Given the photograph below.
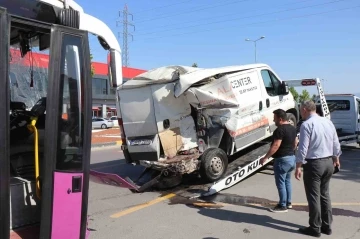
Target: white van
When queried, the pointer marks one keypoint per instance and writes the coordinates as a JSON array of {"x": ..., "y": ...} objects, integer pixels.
[
  {"x": 184, "y": 119},
  {"x": 346, "y": 116}
]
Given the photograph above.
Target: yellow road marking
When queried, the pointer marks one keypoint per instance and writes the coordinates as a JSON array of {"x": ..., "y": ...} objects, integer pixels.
[
  {"x": 141, "y": 206},
  {"x": 208, "y": 204}
]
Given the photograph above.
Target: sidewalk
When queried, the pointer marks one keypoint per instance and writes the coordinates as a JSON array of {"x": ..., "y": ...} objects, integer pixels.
[{"x": 106, "y": 137}]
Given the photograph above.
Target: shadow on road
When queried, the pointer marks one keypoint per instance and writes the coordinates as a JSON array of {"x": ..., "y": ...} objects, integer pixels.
[
  {"x": 216, "y": 201},
  {"x": 241, "y": 217},
  {"x": 264, "y": 204},
  {"x": 335, "y": 211},
  {"x": 350, "y": 165}
]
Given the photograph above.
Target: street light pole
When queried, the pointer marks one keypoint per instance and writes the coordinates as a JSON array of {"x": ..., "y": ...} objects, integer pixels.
[
  {"x": 255, "y": 43},
  {"x": 255, "y": 51}
]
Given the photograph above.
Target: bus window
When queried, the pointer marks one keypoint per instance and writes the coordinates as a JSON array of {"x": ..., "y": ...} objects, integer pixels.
[{"x": 71, "y": 111}]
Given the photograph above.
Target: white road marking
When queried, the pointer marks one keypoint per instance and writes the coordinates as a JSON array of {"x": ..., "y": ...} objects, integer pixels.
[{"x": 97, "y": 130}]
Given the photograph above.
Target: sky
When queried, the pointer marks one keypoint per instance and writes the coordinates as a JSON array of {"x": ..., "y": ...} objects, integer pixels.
[{"x": 303, "y": 38}]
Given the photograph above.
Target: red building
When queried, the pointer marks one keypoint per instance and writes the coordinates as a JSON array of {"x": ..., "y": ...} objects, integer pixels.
[
  {"x": 20, "y": 68},
  {"x": 103, "y": 96}
]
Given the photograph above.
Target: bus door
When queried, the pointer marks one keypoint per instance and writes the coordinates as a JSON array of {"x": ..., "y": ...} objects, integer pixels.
[
  {"x": 4, "y": 126},
  {"x": 62, "y": 185},
  {"x": 68, "y": 136}
]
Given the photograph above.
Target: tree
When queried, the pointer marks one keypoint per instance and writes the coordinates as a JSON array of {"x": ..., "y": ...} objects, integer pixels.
[
  {"x": 92, "y": 66},
  {"x": 294, "y": 93},
  {"x": 304, "y": 96},
  {"x": 194, "y": 65},
  {"x": 313, "y": 98}
]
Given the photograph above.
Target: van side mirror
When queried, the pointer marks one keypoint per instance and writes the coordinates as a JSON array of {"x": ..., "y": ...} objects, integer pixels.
[{"x": 284, "y": 88}]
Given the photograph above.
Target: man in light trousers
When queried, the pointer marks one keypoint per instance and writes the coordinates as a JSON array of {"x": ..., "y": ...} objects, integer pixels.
[{"x": 318, "y": 153}]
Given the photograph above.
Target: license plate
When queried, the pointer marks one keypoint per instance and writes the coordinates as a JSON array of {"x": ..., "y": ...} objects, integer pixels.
[{"x": 140, "y": 142}]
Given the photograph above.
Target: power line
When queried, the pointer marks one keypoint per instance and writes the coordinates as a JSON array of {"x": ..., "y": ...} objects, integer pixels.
[
  {"x": 182, "y": 23},
  {"x": 196, "y": 10},
  {"x": 125, "y": 34},
  {"x": 232, "y": 19},
  {"x": 244, "y": 25},
  {"x": 164, "y": 6}
]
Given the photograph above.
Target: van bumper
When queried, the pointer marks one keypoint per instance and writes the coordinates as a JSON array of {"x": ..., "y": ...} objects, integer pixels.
[{"x": 146, "y": 148}]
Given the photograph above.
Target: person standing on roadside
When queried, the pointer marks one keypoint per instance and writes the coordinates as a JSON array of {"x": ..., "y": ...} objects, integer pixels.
[
  {"x": 283, "y": 151},
  {"x": 318, "y": 152}
]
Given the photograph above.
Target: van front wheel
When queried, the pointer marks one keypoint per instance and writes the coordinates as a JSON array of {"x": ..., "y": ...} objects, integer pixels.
[{"x": 214, "y": 163}]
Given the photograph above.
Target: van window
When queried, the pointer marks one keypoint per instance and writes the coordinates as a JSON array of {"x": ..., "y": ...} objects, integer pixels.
[
  {"x": 271, "y": 82},
  {"x": 343, "y": 105},
  {"x": 358, "y": 106},
  {"x": 276, "y": 83}
]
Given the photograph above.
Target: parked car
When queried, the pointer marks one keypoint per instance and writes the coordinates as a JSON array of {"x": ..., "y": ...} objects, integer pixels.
[
  {"x": 101, "y": 123},
  {"x": 114, "y": 119}
]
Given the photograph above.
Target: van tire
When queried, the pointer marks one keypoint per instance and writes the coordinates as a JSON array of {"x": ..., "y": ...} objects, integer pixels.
[
  {"x": 214, "y": 163},
  {"x": 291, "y": 117}
]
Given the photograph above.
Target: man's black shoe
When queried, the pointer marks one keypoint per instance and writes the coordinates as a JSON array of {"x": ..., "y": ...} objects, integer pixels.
[
  {"x": 309, "y": 231},
  {"x": 279, "y": 208},
  {"x": 326, "y": 231}
]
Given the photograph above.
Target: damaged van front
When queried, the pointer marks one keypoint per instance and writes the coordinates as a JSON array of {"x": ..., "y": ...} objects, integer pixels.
[{"x": 180, "y": 120}]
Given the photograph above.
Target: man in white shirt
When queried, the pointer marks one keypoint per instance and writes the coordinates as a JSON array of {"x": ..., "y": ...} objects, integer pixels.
[{"x": 318, "y": 152}]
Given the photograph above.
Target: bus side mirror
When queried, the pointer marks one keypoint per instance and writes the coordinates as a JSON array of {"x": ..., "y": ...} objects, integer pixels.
[
  {"x": 109, "y": 61},
  {"x": 284, "y": 88},
  {"x": 114, "y": 68}
]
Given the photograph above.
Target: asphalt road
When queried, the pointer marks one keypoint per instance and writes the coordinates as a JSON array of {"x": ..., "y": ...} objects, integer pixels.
[{"x": 238, "y": 212}]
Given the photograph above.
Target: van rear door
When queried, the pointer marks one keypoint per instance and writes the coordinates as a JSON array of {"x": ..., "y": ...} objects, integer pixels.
[
  {"x": 152, "y": 115},
  {"x": 358, "y": 115},
  {"x": 139, "y": 123},
  {"x": 344, "y": 117}
]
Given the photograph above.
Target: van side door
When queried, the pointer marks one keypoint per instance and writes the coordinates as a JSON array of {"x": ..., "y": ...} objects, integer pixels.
[{"x": 272, "y": 96}]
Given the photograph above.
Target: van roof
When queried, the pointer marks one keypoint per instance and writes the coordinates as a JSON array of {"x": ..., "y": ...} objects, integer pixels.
[
  {"x": 339, "y": 95},
  {"x": 186, "y": 75},
  {"x": 353, "y": 96}
]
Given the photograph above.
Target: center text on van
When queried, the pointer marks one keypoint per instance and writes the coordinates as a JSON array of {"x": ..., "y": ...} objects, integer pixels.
[{"x": 241, "y": 82}]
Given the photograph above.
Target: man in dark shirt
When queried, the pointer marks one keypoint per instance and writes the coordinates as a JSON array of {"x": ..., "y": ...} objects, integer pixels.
[{"x": 283, "y": 151}]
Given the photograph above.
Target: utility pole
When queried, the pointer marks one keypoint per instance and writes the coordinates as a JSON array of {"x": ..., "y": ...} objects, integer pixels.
[
  {"x": 255, "y": 43},
  {"x": 125, "y": 34}
]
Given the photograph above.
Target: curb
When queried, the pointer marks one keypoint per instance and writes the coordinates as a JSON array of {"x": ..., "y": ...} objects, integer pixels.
[{"x": 101, "y": 145}]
